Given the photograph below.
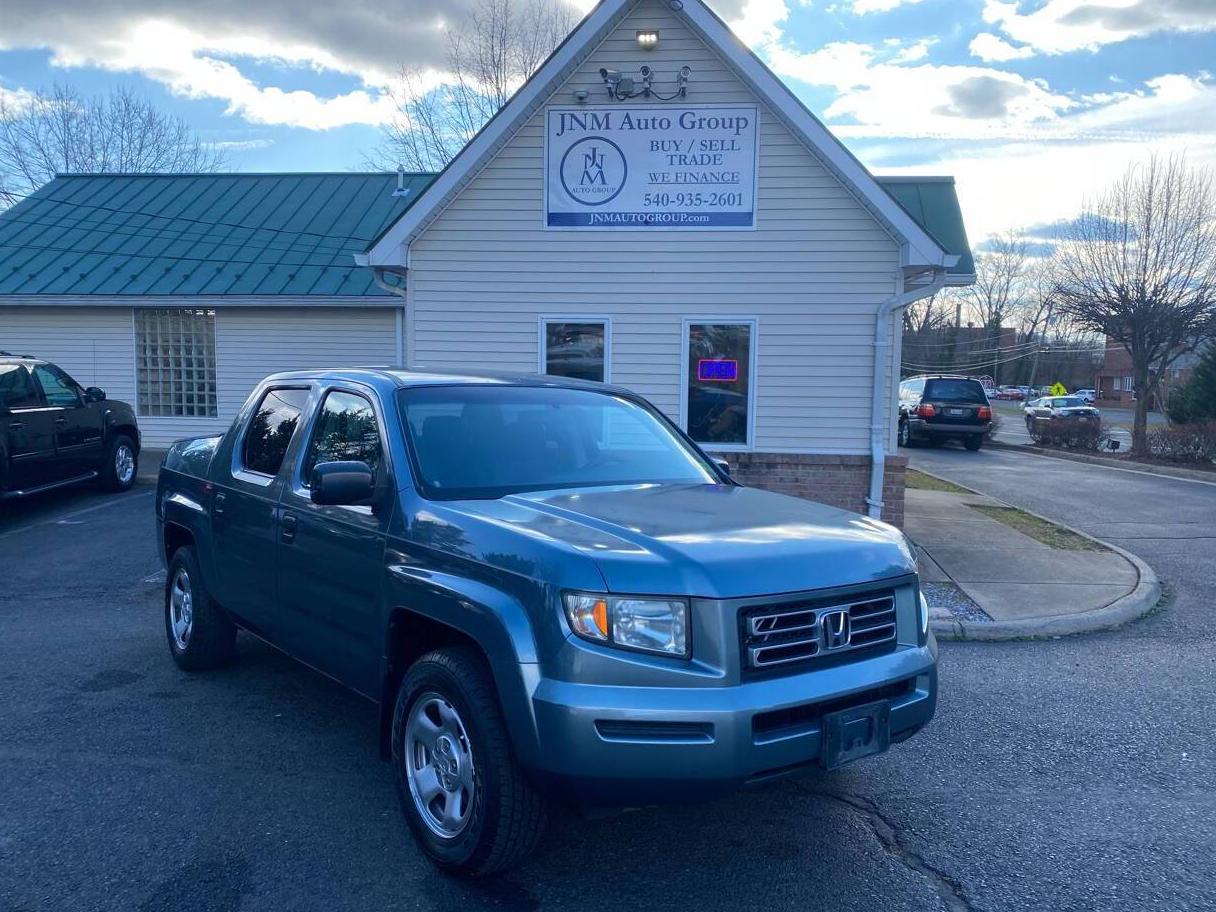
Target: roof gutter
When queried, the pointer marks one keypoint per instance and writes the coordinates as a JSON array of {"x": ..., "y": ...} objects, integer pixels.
[{"x": 879, "y": 393}]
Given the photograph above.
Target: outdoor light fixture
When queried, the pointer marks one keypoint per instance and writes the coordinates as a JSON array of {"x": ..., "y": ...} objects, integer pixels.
[{"x": 648, "y": 39}]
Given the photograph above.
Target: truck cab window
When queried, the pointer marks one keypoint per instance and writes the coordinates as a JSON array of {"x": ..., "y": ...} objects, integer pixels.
[
  {"x": 57, "y": 386},
  {"x": 271, "y": 429},
  {"x": 346, "y": 430}
]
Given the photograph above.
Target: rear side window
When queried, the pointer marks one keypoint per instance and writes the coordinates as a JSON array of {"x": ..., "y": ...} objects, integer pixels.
[
  {"x": 17, "y": 388},
  {"x": 954, "y": 390},
  {"x": 271, "y": 430}
]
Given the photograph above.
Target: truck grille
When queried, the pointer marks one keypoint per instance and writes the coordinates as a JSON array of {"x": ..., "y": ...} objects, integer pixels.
[{"x": 775, "y": 635}]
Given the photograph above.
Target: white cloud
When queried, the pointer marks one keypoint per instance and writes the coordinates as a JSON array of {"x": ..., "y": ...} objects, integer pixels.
[
  {"x": 862, "y": 7},
  {"x": 15, "y": 100},
  {"x": 877, "y": 95},
  {"x": 202, "y": 50},
  {"x": 988, "y": 47},
  {"x": 1060, "y": 26},
  {"x": 1018, "y": 183},
  {"x": 177, "y": 57},
  {"x": 914, "y": 52},
  {"x": 759, "y": 21}
]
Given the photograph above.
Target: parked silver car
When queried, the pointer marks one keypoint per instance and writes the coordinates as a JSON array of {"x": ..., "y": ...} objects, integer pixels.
[{"x": 1057, "y": 416}]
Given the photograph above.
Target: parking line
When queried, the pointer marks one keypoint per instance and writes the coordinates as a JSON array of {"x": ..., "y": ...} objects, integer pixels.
[{"x": 74, "y": 514}]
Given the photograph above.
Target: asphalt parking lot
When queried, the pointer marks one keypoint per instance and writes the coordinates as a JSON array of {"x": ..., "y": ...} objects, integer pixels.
[{"x": 1069, "y": 774}]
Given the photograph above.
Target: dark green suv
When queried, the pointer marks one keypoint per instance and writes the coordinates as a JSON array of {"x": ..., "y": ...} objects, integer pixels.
[{"x": 940, "y": 408}]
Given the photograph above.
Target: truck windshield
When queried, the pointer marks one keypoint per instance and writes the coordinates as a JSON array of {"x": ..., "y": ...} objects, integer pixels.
[{"x": 479, "y": 442}]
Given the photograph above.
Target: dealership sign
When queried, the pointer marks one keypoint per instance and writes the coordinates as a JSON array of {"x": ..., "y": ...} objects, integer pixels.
[{"x": 624, "y": 167}]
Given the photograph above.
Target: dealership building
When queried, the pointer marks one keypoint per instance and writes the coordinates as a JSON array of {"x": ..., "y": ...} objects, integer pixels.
[{"x": 654, "y": 208}]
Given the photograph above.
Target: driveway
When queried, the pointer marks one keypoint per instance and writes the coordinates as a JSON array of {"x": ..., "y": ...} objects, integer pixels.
[{"x": 1072, "y": 774}]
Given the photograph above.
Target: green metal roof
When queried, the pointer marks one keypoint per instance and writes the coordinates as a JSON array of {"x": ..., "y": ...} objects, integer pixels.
[
  {"x": 262, "y": 234},
  {"x": 933, "y": 202},
  {"x": 199, "y": 234}
]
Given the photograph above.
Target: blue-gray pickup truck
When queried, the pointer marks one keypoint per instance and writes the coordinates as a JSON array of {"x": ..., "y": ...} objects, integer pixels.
[{"x": 555, "y": 597}]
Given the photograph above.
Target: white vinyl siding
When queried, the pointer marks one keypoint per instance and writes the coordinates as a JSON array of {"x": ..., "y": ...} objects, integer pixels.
[
  {"x": 812, "y": 274},
  {"x": 96, "y": 346}
]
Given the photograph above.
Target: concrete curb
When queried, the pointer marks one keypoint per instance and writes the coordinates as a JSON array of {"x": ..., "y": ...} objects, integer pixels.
[
  {"x": 1146, "y": 467},
  {"x": 1135, "y": 604}
]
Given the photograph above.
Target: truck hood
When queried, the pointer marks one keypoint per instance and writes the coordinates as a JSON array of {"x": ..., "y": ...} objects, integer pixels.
[{"x": 712, "y": 541}]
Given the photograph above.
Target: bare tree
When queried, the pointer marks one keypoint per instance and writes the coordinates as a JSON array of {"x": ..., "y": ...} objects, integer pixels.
[
  {"x": 1139, "y": 266},
  {"x": 1000, "y": 292},
  {"x": 933, "y": 312},
  {"x": 61, "y": 131},
  {"x": 489, "y": 55},
  {"x": 1000, "y": 289}
]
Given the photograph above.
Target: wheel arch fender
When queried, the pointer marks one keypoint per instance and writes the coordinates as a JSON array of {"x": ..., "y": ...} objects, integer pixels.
[{"x": 430, "y": 610}]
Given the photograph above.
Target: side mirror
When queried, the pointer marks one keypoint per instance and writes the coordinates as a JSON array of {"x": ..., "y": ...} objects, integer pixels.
[
  {"x": 721, "y": 464},
  {"x": 342, "y": 483},
  {"x": 94, "y": 394}
]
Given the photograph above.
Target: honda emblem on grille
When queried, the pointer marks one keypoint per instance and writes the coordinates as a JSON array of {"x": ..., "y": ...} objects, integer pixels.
[{"x": 834, "y": 626}]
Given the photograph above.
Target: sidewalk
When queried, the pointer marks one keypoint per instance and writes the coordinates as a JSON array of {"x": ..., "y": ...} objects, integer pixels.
[{"x": 1017, "y": 575}]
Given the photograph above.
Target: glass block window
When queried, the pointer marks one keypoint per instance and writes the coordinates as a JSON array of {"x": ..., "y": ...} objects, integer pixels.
[{"x": 175, "y": 362}]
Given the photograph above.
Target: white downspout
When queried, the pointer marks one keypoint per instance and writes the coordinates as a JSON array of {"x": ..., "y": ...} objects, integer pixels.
[
  {"x": 882, "y": 345},
  {"x": 399, "y": 316}
]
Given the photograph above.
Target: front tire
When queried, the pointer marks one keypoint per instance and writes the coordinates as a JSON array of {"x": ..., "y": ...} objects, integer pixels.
[
  {"x": 121, "y": 464},
  {"x": 463, "y": 793},
  {"x": 201, "y": 635}
]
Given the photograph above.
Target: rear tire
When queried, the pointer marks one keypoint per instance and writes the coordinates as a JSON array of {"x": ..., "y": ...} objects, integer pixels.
[
  {"x": 973, "y": 441},
  {"x": 121, "y": 464},
  {"x": 903, "y": 435},
  {"x": 462, "y": 791},
  {"x": 201, "y": 635}
]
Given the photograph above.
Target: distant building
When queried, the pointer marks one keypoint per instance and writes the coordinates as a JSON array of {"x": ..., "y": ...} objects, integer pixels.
[{"x": 1114, "y": 380}]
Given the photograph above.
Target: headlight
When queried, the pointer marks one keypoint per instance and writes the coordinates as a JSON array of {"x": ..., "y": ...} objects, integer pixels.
[
  {"x": 924, "y": 616},
  {"x": 648, "y": 625}
]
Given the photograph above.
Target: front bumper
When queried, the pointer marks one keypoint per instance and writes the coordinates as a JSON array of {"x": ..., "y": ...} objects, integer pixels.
[{"x": 645, "y": 745}]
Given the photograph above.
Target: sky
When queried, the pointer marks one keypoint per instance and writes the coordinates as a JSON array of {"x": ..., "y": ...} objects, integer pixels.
[{"x": 1033, "y": 105}]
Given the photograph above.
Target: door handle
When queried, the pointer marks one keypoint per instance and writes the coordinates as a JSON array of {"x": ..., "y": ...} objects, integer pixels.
[
  {"x": 288, "y": 525},
  {"x": 16, "y": 425},
  {"x": 219, "y": 503}
]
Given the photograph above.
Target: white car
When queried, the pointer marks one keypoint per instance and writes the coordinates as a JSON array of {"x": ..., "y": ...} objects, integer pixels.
[{"x": 1087, "y": 395}]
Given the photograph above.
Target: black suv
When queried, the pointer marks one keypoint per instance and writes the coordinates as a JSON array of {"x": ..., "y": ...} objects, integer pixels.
[
  {"x": 942, "y": 407},
  {"x": 54, "y": 432}
]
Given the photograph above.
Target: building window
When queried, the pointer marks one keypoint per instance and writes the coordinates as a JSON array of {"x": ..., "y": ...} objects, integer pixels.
[
  {"x": 271, "y": 430},
  {"x": 1127, "y": 384},
  {"x": 576, "y": 348},
  {"x": 175, "y": 362},
  {"x": 718, "y": 382}
]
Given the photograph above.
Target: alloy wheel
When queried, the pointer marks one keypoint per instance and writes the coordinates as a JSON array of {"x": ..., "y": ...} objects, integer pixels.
[
  {"x": 181, "y": 609},
  {"x": 124, "y": 463},
  {"x": 439, "y": 765}
]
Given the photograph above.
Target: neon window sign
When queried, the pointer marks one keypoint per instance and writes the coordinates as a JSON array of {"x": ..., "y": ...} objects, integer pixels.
[{"x": 718, "y": 370}]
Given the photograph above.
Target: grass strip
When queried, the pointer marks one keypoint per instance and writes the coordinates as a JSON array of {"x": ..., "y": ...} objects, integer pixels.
[
  {"x": 1039, "y": 529},
  {"x": 919, "y": 481}
]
